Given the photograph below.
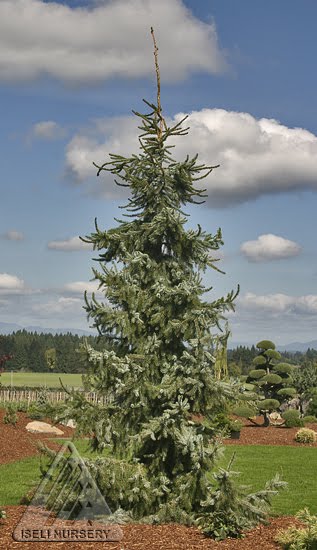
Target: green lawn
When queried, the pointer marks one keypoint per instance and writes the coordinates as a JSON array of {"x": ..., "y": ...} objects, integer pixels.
[
  {"x": 296, "y": 465},
  {"x": 49, "y": 379},
  {"x": 257, "y": 464}
]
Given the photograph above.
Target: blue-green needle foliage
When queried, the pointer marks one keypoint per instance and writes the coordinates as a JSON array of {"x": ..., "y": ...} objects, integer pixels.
[{"x": 160, "y": 368}]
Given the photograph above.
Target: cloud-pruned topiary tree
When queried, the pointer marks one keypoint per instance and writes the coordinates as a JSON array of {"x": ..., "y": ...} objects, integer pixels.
[{"x": 271, "y": 379}]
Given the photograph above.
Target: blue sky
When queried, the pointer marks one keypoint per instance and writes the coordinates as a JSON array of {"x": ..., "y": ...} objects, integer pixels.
[{"x": 70, "y": 73}]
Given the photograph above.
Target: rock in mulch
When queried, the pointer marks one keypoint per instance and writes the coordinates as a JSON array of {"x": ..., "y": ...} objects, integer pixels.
[
  {"x": 37, "y": 427},
  {"x": 17, "y": 443}
]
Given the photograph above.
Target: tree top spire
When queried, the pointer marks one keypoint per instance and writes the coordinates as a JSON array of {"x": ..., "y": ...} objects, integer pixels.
[{"x": 158, "y": 87}]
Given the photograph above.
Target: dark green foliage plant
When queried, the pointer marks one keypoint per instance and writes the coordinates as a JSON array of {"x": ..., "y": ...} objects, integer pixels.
[
  {"x": 235, "y": 425},
  {"x": 22, "y": 406},
  {"x": 10, "y": 416},
  {"x": 292, "y": 418},
  {"x": 300, "y": 538},
  {"x": 35, "y": 412}
]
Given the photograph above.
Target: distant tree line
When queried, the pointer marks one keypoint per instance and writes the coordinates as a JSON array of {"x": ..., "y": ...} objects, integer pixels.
[{"x": 46, "y": 352}]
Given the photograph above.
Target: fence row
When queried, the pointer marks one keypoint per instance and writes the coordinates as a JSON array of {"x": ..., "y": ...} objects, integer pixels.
[{"x": 53, "y": 396}]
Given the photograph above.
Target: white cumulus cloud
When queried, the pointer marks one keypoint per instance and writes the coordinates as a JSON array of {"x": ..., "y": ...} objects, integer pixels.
[
  {"x": 269, "y": 247},
  {"x": 108, "y": 39},
  {"x": 69, "y": 245},
  {"x": 279, "y": 303},
  {"x": 257, "y": 156},
  {"x": 79, "y": 287},
  {"x": 11, "y": 284},
  {"x": 47, "y": 129}
]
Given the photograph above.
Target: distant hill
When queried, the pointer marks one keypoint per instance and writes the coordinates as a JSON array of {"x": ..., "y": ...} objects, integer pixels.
[
  {"x": 293, "y": 346},
  {"x": 298, "y": 346},
  {"x": 8, "y": 328}
]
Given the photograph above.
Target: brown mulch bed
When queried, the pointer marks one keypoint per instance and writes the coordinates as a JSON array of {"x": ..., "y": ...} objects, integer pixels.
[
  {"x": 272, "y": 435},
  {"x": 16, "y": 443},
  {"x": 153, "y": 537}
]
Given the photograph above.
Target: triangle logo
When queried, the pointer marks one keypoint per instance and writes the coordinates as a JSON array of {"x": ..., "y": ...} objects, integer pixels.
[{"x": 67, "y": 505}]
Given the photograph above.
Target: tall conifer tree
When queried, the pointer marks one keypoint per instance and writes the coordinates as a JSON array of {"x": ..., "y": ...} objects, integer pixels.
[{"x": 161, "y": 369}]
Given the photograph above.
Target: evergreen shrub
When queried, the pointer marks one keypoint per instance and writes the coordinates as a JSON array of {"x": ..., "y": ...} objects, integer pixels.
[
  {"x": 22, "y": 406},
  {"x": 10, "y": 416},
  {"x": 309, "y": 419},
  {"x": 292, "y": 418},
  {"x": 35, "y": 412}
]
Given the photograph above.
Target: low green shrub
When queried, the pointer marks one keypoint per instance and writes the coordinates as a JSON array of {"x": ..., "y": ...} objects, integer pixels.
[
  {"x": 309, "y": 419},
  {"x": 235, "y": 426},
  {"x": 22, "y": 406},
  {"x": 305, "y": 435},
  {"x": 297, "y": 538},
  {"x": 244, "y": 411},
  {"x": 292, "y": 418},
  {"x": 10, "y": 416},
  {"x": 36, "y": 412}
]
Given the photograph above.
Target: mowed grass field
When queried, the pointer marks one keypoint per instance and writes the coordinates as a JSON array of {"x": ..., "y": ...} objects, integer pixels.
[
  {"x": 256, "y": 464},
  {"x": 36, "y": 379}
]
